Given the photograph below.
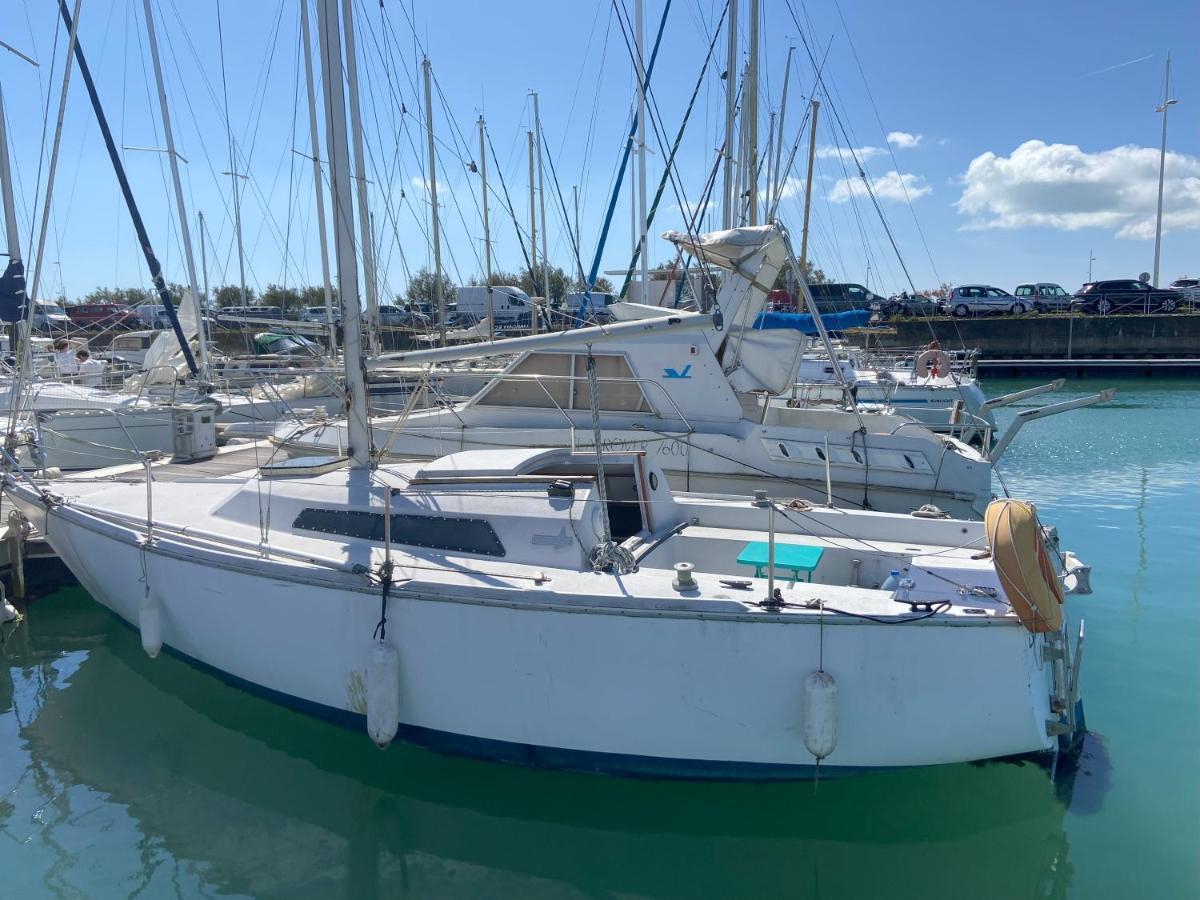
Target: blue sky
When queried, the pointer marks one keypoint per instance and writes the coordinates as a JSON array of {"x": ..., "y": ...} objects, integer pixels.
[{"x": 1025, "y": 135}]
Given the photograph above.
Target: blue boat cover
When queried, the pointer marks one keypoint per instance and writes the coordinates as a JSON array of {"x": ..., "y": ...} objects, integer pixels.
[{"x": 851, "y": 318}]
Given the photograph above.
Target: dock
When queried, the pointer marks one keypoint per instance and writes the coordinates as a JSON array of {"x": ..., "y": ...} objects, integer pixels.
[{"x": 1071, "y": 344}]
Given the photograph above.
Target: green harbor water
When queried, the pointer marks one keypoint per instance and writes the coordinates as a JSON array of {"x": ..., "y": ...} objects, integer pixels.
[{"x": 123, "y": 776}]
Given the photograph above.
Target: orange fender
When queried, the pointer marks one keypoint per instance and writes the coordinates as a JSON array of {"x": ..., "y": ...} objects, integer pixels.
[{"x": 1023, "y": 565}]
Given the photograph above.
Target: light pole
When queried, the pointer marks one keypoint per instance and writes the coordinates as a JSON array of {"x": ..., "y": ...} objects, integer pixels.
[{"x": 1162, "y": 164}]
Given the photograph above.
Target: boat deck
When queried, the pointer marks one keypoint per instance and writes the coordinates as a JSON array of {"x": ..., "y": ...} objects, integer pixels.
[{"x": 229, "y": 460}]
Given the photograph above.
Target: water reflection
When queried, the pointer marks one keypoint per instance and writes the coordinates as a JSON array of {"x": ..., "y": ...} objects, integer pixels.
[{"x": 150, "y": 775}]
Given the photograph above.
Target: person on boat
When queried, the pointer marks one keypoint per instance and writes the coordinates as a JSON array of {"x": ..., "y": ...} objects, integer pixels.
[
  {"x": 90, "y": 370},
  {"x": 64, "y": 359}
]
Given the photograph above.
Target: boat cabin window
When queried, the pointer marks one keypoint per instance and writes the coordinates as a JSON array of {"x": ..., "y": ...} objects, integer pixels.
[
  {"x": 548, "y": 380},
  {"x": 458, "y": 533}
]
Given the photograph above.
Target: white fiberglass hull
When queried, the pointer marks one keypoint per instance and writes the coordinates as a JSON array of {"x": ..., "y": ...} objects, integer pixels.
[
  {"x": 533, "y": 676},
  {"x": 888, "y": 473}
]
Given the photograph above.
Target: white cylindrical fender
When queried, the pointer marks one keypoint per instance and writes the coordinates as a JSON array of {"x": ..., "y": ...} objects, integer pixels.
[
  {"x": 8, "y": 612},
  {"x": 819, "y": 701},
  {"x": 150, "y": 624},
  {"x": 383, "y": 693}
]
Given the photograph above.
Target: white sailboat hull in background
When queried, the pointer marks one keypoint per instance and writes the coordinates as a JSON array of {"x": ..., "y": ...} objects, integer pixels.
[
  {"x": 889, "y": 473},
  {"x": 536, "y": 677}
]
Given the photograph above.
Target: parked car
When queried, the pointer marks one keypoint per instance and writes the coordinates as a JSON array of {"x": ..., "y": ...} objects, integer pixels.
[
  {"x": 152, "y": 315},
  {"x": 983, "y": 299},
  {"x": 393, "y": 315},
  {"x": 1121, "y": 296},
  {"x": 102, "y": 315},
  {"x": 834, "y": 297},
  {"x": 1189, "y": 287},
  {"x": 319, "y": 314},
  {"x": 250, "y": 312},
  {"x": 1044, "y": 296},
  {"x": 907, "y": 304},
  {"x": 49, "y": 316}
]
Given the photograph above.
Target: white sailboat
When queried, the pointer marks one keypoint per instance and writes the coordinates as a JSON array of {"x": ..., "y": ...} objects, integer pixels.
[
  {"x": 565, "y": 609},
  {"x": 699, "y": 403}
]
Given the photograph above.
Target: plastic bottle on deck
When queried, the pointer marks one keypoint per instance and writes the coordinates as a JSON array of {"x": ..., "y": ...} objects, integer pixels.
[{"x": 892, "y": 581}]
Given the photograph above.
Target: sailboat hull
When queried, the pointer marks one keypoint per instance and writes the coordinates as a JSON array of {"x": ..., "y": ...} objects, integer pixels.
[{"x": 526, "y": 678}]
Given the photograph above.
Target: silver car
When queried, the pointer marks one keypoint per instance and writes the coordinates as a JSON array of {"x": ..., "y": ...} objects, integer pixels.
[
  {"x": 1045, "y": 296},
  {"x": 982, "y": 300}
]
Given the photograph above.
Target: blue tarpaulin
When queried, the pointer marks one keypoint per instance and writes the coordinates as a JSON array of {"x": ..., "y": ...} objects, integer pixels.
[{"x": 851, "y": 318}]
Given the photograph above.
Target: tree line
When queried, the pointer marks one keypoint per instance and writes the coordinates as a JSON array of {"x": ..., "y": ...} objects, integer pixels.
[{"x": 420, "y": 289}]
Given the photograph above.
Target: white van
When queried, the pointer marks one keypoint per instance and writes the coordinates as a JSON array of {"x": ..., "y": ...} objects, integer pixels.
[
  {"x": 510, "y": 305},
  {"x": 153, "y": 315}
]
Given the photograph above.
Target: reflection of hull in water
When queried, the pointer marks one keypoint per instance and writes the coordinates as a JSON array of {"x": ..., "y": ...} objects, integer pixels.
[{"x": 270, "y": 802}]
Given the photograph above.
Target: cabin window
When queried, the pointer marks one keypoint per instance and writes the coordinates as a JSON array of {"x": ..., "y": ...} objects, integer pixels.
[
  {"x": 549, "y": 380},
  {"x": 457, "y": 533},
  {"x": 622, "y": 394}
]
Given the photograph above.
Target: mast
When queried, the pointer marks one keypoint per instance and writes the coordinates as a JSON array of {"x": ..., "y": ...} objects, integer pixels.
[
  {"x": 53, "y": 167},
  {"x": 318, "y": 178},
  {"x": 1162, "y": 164},
  {"x": 537, "y": 124},
  {"x": 773, "y": 193},
  {"x": 237, "y": 216},
  {"x": 338, "y": 153},
  {"x": 203, "y": 258},
  {"x": 437, "y": 237},
  {"x": 533, "y": 324},
  {"x": 135, "y": 216},
  {"x": 365, "y": 242},
  {"x": 15, "y": 260},
  {"x": 640, "y": 68},
  {"x": 487, "y": 232},
  {"x": 727, "y": 213},
  {"x": 750, "y": 110},
  {"x": 812, "y": 152},
  {"x": 185, "y": 234}
]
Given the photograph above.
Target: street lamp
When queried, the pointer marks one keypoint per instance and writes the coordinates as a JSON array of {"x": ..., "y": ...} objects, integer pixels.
[{"x": 1162, "y": 164}]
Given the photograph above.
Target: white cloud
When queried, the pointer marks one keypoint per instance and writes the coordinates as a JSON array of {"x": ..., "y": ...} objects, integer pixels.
[
  {"x": 792, "y": 187},
  {"x": 892, "y": 186},
  {"x": 422, "y": 185},
  {"x": 846, "y": 154},
  {"x": 1061, "y": 186},
  {"x": 902, "y": 140}
]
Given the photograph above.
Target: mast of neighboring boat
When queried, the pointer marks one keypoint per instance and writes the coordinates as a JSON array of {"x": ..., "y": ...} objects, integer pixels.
[
  {"x": 537, "y": 125},
  {"x": 439, "y": 298},
  {"x": 728, "y": 204},
  {"x": 35, "y": 282},
  {"x": 812, "y": 153},
  {"x": 366, "y": 243},
  {"x": 750, "y": 113},
  {"x": 203, "y": 256},
  {"x": 774, "y": 189},
  {"x": 338, "y": 153},
  {"x": 640, "y": 69},
  {"x": 487, "y": 231},
  {"x": 318, "y": 177},
  {"x": 10, "y": 222},
  {"x": 184, "y": 232},
  {"x": 533, "y": 266}
]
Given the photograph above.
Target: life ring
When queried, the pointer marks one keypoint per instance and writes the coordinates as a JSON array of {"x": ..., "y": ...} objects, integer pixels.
[
  {"x": 1022, "y": 563},
  {"x": 932, "y": 363}
]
